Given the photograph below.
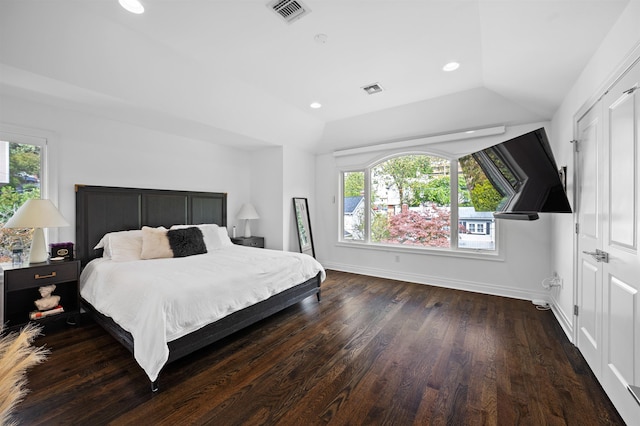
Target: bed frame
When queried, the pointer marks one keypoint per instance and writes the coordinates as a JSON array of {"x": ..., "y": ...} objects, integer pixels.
[{"x": 107, "y": 209}]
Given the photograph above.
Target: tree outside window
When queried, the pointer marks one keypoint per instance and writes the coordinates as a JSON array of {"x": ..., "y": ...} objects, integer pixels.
[
  {"x": 353, "y": 206},
  {"x": 20, "y": 172}
]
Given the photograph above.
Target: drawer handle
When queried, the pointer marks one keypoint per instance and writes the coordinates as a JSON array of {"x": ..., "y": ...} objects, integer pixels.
[{"x": 40, "y": 277}]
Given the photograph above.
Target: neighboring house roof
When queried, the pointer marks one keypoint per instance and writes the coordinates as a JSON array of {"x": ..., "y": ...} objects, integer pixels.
[
  {"x": 351, "y": 203},
  {"x": 471, "y": 213}
]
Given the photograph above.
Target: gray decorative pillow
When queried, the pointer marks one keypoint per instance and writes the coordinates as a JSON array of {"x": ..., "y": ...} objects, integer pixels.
[{"x": 186, "y": 242}]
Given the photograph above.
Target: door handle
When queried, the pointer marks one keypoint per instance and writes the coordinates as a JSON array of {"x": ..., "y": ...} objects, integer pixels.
[{"x": 598, "y": 255}]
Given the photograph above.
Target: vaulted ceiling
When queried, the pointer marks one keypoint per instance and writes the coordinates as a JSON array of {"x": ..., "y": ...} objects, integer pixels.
[{"x": 234, "y": 72}]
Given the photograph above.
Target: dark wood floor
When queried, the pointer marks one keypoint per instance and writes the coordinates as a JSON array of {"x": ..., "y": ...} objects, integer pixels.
[{"x": 373, "y": 351}]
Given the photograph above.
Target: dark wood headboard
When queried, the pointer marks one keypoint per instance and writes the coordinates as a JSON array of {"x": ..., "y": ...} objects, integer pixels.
[{"x": 101, "y": 209}]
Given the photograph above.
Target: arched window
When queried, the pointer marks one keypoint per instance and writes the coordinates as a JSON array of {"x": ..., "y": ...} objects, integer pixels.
[{"x": 412, "y": 200}]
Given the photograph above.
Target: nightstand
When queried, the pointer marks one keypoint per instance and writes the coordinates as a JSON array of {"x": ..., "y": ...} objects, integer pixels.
[
  {"x": 21, "y": 290},
  {"x": 249, "y": 241}
]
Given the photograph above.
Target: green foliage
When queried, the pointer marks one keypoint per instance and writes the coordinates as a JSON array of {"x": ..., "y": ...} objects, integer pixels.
[
  {"x": 24, "y": 160},
  {"x": 464, "y": 195},
  {"x": 10, "y": 201},
  {"x": 379, "y": 227},
  {"x": 353, "y": 184},
  {"x": 400, "y": 172},
  {"x": 484, "y": 197},
  {"x": 438, "y": 191}
]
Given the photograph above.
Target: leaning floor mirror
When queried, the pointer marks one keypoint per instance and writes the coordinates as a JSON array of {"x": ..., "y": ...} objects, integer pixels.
[{"x": 305, "y": 238}]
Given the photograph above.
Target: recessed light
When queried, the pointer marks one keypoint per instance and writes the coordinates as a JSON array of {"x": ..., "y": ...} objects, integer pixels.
[
  {"x": 451, "y": 66},
  {"x": 315, "y": 105},
  {"x": 133, "y": 6}
]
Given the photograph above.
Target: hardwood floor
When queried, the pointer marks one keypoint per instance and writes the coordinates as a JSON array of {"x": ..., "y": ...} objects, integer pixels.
[{"x": 373, "y": 351}]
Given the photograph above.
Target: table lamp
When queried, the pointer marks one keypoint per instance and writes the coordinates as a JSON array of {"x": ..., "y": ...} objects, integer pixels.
[
  {"x": 37, "y": 213},
  {"x": 247, "y": 212}
]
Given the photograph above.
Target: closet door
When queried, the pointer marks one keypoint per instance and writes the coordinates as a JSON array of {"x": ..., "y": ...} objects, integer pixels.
[
  {"x": 621, "y": 269},
  {"x": 589, "y": 169}
]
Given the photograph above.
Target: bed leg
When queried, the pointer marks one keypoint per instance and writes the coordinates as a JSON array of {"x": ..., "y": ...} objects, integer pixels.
[
  {"x": 318, "y": 295},
  {"x": 154, "y": 386}
]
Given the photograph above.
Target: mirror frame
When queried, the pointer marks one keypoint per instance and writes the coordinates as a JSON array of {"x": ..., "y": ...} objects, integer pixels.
[{"x": 303, "y": 225}]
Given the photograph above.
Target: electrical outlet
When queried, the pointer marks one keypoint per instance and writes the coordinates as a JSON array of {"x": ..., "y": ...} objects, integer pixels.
[{"x": 556, "y": 281}]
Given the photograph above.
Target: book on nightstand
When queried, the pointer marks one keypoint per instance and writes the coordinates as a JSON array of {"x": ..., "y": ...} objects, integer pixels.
[{"x": 41, "y": 314}]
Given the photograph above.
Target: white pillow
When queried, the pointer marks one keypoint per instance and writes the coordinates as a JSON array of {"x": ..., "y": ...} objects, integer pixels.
[
  {"x": 121, "y": 246},
  {"x": 224, "y": 236},
  {"x": 210, "y": 234},
  {"x": 102, "y": 244}
]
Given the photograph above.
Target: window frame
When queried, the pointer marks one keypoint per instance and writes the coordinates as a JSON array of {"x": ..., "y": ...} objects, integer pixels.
[
  {"x": 366, "y": 243},
  {"x": 48, "y": 176}
]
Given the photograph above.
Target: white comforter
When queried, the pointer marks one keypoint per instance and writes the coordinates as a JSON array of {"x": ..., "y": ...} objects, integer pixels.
[{"x": 161, "y": 300}]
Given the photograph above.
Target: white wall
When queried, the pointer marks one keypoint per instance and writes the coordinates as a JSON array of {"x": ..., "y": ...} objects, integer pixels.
[
  {"x": 277, "y": 175},
  {"x": 616, "y": 52},
  {"x": 94, "y": 151},
  {"x": 299, "y": 181},
  {"x": 266, "y": 196}
]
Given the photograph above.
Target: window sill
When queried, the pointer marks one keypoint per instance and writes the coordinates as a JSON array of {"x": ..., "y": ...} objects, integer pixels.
[{"x": 494, "y": 256}]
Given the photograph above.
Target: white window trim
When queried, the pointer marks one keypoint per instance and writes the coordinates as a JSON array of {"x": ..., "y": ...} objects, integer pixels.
[
  {"x": 48, "y": 179},
  {"x": 459, "y": 253}
]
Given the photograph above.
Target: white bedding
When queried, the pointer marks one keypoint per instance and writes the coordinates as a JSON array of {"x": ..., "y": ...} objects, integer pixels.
[{"x": 161, "y": 300}]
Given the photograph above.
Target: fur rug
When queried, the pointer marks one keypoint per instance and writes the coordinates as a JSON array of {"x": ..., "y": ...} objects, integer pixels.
[{"x": 17, "y": 354}]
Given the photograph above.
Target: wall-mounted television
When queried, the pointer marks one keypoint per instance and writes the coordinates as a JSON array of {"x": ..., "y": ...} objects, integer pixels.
[{"x": 516, "y": 179}]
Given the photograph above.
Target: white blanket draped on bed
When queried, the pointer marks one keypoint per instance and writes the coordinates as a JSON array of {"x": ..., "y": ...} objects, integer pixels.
[{"x": 161, "y": 300}]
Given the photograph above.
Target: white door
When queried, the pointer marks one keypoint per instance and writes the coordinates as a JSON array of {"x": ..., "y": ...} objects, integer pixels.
[
  {"x": 589, "y": 188},
  {"x": 608, "y": 256},
  {"x": 621, "y": 274}
]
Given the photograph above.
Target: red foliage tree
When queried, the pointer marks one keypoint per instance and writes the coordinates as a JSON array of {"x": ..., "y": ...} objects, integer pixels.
[{"x": 427, "y": 228}]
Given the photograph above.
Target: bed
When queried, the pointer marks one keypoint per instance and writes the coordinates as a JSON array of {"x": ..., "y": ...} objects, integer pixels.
[{"x": 271, "y": 280}]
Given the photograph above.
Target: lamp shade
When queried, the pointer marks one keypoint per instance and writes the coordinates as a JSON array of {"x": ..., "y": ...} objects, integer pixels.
[
  {"x": 36, "y": 213},
  {"x": 247, "y": 211}
]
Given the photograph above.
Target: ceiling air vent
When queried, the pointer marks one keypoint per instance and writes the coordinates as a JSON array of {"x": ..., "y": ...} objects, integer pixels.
[
  {"x": 372, "y": 89},
  {"x": 289, "y": 10}
]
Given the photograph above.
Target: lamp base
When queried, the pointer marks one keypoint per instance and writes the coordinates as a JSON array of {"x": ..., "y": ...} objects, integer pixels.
[
  {"x": 247, "y": 228},
  {"x": 38, "y": 252}
]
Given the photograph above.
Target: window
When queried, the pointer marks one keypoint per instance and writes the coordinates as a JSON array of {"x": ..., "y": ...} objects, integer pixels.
[
  {"x": 410, "y": 201},
  {"x": 21, "y": 166},
  {"x": 353, "y": 206}
]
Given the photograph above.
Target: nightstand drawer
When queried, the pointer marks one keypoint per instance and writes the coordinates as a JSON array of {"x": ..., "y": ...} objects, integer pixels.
[
  {"x": 249, "y": 241},
  {"x": 37, "y": 276}
]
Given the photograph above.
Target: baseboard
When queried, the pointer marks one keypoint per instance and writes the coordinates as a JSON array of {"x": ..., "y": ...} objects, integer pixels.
[
  {"x": 473, "y": 286},
  {"x": 565, "y": 322}
]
